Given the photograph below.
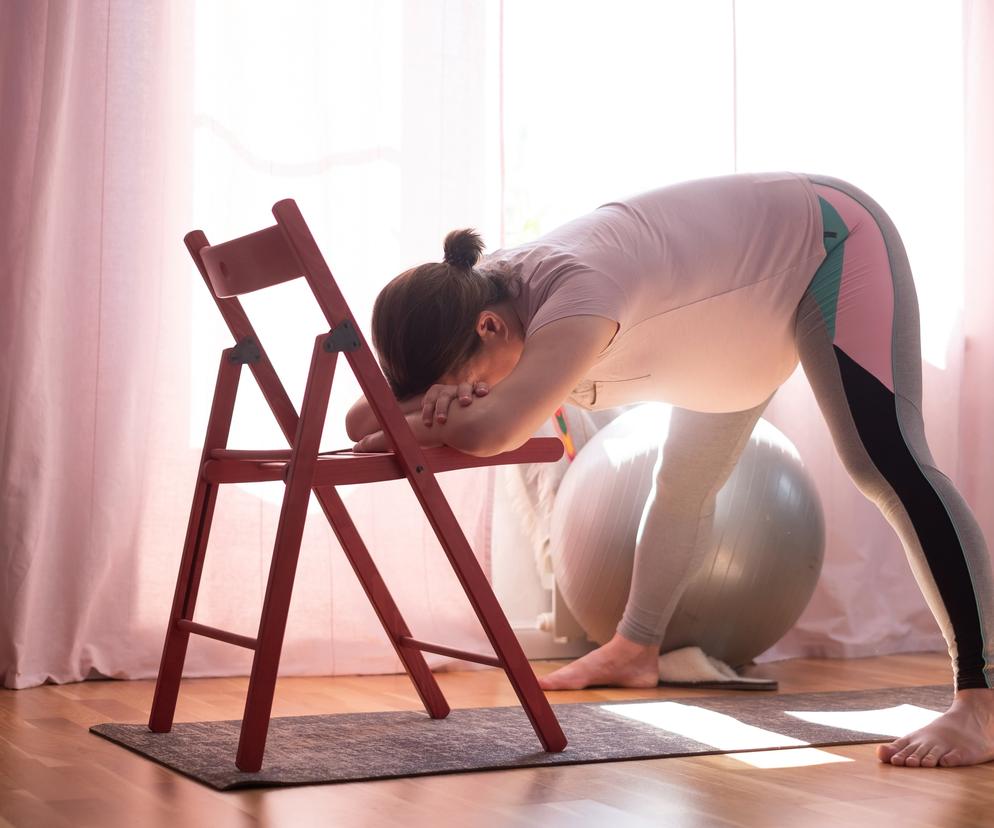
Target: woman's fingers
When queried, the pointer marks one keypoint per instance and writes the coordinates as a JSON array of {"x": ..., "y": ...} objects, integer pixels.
[
  {"x": 438, "y": 398},
  {"x": 428, "y": 405},
  {"x": 377, "y": 441},
  {"x": 445, "y": 398}
]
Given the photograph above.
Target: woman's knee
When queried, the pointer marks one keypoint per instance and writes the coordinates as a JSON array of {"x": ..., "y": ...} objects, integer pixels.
[{"x": 864, "y": 474}]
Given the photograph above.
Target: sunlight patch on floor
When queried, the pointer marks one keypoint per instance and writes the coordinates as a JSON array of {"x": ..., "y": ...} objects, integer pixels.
[
  {"x": 707, "y": 726},
  {"x": 725, "y": 733},
  {"x": 889, "y": 721},
  {"x": 790, "y": 758}
]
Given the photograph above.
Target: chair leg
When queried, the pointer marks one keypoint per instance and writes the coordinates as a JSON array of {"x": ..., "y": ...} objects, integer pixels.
[
  {"x": 187, "y": 584},
  {"x": 491, "y": 616},
  {"x": 272, "y": 626},
  {"x": 381, "y": 599},
  {"x": 289, "y": 532},
  {"x": 194, "y": 550}
]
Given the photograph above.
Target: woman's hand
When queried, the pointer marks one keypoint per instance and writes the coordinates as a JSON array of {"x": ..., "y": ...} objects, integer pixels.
[
  {"x": 434, "y": 408},
  {"x": 377, "y": 441},
  {"x": 438, "y": 398}
]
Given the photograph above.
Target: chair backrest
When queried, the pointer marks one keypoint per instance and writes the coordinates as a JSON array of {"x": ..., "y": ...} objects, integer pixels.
[
  {"x": 279, "y": 254},
  {"x": 251, "y": 262}
]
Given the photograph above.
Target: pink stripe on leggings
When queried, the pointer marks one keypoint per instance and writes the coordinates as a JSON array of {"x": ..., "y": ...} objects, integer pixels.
[{"x": 864, "y": 315}]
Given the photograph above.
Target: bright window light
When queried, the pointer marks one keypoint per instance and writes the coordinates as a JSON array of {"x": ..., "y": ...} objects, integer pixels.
[
  {"x": 318, "y": 119},
  {"x": 607, "y": 99},
  {"x": 600, "y": 100},
  {"x": 871, "y": 93}
]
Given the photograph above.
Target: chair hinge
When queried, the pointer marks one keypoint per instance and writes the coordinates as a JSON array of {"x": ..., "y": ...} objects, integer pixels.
[
  {"x": 343, "y": 337},
  {"x": 247, "y": 350}
]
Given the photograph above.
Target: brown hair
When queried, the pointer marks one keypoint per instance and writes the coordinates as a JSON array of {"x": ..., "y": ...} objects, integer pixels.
[{"x": 424, "y": 320}]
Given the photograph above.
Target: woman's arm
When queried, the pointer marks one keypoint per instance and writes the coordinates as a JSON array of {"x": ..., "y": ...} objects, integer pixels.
[
  {"x": 434, "y": 405},
  {"x": 555, "y": 358},
  {"x": 361, "y": 421}
]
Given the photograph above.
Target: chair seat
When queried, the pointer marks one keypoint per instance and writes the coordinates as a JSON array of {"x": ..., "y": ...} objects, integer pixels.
[{"x": 344, "y": 466}]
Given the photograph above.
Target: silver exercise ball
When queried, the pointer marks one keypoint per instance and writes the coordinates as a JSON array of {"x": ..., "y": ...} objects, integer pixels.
[{"x": 765, "y": 553}]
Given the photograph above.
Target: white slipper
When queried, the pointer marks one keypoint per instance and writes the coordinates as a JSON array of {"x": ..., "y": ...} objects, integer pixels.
[{"x": 692, "y": 667}]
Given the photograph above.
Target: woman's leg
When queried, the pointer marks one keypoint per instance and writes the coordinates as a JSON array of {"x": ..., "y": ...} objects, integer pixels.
[
  {"x": 858, "y": 337},
  {"x": 700, "y": 452}
]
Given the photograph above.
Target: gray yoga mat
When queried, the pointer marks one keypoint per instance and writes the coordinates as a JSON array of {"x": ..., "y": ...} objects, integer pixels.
[{"x": 357, "y": 746}]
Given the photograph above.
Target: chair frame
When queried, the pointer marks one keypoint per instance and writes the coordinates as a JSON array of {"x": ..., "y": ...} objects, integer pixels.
[{"x": 278, "y": 253}]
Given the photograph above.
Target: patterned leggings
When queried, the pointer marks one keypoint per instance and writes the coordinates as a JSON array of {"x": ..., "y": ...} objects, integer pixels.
[{"x": 858, "y": 338}]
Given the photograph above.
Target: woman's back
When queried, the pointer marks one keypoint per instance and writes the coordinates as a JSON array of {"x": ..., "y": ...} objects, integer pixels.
[{"x": 704, "y": 278}]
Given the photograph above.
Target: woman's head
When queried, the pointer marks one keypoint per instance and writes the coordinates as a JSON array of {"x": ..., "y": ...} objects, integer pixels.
[{"x": 445, "y": 321}]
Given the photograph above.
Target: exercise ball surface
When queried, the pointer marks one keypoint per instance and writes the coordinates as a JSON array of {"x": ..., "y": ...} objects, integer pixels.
[{"x": 763, "y": 558}]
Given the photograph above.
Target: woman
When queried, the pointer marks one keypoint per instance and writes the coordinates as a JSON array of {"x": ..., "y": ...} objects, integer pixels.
[{"x": 704, "y": 295}]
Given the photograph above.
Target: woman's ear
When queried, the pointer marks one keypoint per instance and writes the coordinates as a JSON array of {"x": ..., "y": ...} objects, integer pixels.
[
  {"x": 489, "y": 323},
  {"x": 484, "y": 324}
]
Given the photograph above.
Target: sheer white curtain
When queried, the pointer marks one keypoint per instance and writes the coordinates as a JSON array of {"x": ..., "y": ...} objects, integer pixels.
[
  {"x": 872, "y": 93},
  {"x": 375, "y": 117}
]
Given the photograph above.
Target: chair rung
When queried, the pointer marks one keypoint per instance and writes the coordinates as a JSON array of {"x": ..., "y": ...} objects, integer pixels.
[
  {"x": 441, "y": 649},
  {"x": 213, "y": 632},
  {"x": 243, "y": 471},
  {"x": 250, "y": 454}
]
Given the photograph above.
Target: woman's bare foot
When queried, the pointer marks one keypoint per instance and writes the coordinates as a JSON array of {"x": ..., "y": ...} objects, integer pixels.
[
  {"x": 963, "y": 735},
  {"x": 618, "y": 663}
]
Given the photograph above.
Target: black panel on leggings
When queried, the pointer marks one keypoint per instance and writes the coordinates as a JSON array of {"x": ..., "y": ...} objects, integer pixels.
[{"x": 874, "y": 411}]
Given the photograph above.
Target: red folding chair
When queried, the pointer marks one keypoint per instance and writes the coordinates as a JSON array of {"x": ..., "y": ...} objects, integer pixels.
[{"x": 278, "y": 254}]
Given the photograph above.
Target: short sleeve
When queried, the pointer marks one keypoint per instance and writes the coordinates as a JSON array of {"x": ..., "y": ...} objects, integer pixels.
[{"x": 581, "y": 291}]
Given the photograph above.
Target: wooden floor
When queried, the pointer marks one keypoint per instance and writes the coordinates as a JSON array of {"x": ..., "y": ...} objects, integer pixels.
[{"x": 55, "y": 773}]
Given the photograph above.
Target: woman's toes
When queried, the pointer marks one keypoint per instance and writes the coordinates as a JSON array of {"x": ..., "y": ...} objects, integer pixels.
[
  {"x": 901, "y": 757},
  {"x": 951, "y": 759},
  {"x": 886, "y": 752},
  {"x": 918, "y": 755},
  {"x": 931, "y": 759}
]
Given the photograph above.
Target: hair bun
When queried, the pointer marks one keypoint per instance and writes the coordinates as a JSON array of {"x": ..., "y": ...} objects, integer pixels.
[{"x": 463, "y": 248}]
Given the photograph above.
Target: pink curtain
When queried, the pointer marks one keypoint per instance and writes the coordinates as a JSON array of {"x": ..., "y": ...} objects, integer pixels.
[
  {"x": 111, "y": 344},
  {"x": 91, "y": 165}
]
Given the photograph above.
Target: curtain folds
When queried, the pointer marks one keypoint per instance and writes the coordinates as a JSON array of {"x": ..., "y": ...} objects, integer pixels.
[{"x": 91, "y": 159}]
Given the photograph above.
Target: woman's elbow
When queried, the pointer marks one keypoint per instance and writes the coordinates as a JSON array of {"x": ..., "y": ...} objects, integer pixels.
[
  {"x": 353, "y": 433},
  {"x": 482, "y": 439},
  {"x": 356, "y": 425}
]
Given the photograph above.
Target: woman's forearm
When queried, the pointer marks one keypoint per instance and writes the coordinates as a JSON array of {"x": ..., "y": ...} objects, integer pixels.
[
  {"x": 480, "y": 429},
  {"x": 361, "y": 421},
  {"x": 451, "y": 434}
]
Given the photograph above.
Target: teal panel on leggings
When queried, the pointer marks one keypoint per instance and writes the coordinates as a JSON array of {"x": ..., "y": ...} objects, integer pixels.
[{"x": 825, "y": 283}]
